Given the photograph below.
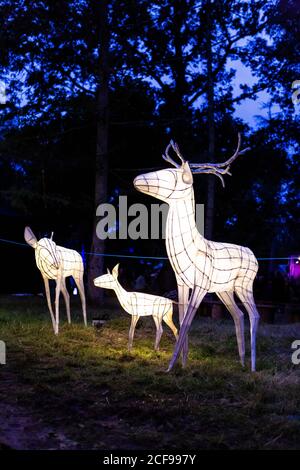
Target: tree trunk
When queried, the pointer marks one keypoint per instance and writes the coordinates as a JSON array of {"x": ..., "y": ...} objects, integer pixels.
[
  {"x": 96, "y": 262},
  {"x": 210, "y": 202},
  {"x": 176, "y": 101}
]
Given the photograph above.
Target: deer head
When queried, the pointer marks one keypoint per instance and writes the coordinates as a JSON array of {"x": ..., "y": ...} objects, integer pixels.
[
  {"x": 107, "y": 281},
  {"x": 174, "y": 183},
  {"x": 45, "y": 248},
  {"x": 169, "y": 184}
]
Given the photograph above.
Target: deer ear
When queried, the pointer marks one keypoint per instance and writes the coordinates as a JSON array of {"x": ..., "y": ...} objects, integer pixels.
[
  {"x": 108, "y": 271},
  {"x": 187, "y": 175},
  {"x": 30, "y": 238},
  {"x": 115, "y": 271}
]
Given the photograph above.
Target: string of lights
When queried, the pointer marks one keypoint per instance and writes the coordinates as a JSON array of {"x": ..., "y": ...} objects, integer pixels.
[{"x": 163, "y": 258}]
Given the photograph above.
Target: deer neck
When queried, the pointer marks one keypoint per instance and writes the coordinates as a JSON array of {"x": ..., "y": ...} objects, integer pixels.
[
  {"x": 46, "y": 264},
  {"x": 121, "y": 293},
  {"x": 181, "y": 224}
]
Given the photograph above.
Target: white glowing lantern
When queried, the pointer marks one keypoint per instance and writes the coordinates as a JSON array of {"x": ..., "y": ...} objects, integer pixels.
[
  {"x": 139, "y": 305},
  {"x": 56, "y": 262},
  {"x": 199, "y": 264}
]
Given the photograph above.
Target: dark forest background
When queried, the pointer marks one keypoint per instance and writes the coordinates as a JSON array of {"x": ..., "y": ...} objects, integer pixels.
[{"x": 95, "y": 91}]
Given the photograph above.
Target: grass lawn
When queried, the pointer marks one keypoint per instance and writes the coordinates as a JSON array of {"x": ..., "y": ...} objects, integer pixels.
[{"x": 84, "y": 390}]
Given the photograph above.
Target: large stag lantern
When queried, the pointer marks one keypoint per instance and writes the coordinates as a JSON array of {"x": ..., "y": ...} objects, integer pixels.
[{"x": 200, "y": 265}]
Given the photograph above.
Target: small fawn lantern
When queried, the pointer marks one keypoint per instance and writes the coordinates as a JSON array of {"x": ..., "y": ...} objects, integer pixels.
[
  {"x": 139, "y": 305},
  {"x": 56, "y": 262},
  {"x": 201, "y": 265}
]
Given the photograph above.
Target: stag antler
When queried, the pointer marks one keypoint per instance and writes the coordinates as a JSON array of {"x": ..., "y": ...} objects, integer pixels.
[
  {"x": 167, "y": 157},
  {"x": 219, "y": 169}
]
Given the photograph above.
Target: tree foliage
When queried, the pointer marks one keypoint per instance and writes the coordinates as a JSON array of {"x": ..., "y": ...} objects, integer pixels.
[{"x": 158, "y": 87}]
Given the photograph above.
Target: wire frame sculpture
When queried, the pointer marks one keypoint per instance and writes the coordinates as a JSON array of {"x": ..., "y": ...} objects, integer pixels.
[
  {"x": 56, "y": 262},
  {"x": 202, "y": 266},
  {"x": 139, "y": 305}
]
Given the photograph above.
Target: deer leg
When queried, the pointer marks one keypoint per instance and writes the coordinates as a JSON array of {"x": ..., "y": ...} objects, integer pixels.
[
  {"x": 80, "y": 286},
  {"x": 168, "y": 319},
  {"x": 57, "y": 292},
  {"x": 246, "y": 297},
  {"x": 228, "y": 300},
  {"x": 183, "y": 299},
  {"x": 197, "y": 295},
  {"x": 134, "y": 320},
  {"x": 65, "y": 293},
  {"x": 159, "y": 331},
  {"x": 47, "y": 290}
]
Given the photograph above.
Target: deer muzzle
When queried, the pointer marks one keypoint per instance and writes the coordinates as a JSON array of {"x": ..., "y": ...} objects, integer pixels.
[{"x": 141, "y": 184}]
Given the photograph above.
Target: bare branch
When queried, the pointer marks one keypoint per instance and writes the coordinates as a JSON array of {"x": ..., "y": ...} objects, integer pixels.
[
  {"x": 147, "y": 65},
  {"x": 76, "y": 83}
]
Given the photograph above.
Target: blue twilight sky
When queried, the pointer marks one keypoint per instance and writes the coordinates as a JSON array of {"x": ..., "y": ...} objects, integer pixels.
[{"x": 249, "y": 109}]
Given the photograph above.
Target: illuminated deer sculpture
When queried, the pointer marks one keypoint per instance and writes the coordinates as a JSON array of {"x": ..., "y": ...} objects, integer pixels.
[
  {"x": 199, "y": 264},
  {"x": 56, "y": 262},
  {"x": 139, "y": 305}
]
